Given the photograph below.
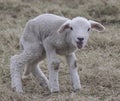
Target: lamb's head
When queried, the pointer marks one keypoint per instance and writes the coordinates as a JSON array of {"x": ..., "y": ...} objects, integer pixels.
[{"x": 78, "y": 29}]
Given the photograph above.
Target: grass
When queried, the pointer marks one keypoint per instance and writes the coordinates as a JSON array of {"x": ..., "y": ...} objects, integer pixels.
[{"x": 99, "y": 62}]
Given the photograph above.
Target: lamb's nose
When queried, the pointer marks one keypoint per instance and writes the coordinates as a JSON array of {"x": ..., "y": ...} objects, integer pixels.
[{"x": 80, "y": 39}]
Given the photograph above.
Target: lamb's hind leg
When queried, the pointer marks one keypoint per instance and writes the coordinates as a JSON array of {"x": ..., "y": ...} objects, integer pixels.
[
  {"x": 16, "y": 62},
  {"x": 37, "y": 72},
  {"x": 26, "y": 73},
  {"x": 40, "y": 76}
]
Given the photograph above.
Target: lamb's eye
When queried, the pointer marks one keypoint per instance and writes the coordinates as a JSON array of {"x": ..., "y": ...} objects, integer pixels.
[{"x": 88, "y": 29}]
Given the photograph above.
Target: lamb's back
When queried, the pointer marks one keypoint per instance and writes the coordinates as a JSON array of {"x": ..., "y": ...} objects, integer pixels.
[{"x": 42, "y": 26}]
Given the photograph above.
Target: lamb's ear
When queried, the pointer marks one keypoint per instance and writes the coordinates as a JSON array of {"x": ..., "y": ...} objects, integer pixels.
[
  {"x": 97, "y": 26},
  {"x": 65, "y": 27}
]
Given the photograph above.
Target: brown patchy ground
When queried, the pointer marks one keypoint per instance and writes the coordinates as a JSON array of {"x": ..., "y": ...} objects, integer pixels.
[{"x": 99, "y": 62}]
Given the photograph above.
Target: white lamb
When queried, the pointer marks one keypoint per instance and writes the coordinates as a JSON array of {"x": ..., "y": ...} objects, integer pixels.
[{"x": 46, "y": 36}]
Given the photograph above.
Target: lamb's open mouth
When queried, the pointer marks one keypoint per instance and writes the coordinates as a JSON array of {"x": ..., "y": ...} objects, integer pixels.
[{"x": 79, "y": 44}]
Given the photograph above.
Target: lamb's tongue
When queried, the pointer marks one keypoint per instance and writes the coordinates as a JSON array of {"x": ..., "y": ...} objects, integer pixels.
[{"x": 79, "y": 45}]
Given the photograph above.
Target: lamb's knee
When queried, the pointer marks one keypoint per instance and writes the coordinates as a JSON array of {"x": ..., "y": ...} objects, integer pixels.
[
  {"x": 75, "y": 64},
  {"x": 55, "y": 64},
  {"x": 15, "y": 66},
  {"x": 15, "y": 61}
]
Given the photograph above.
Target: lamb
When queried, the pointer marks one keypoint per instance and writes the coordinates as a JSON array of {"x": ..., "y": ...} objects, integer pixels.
[{"x": 44, "y": 37}]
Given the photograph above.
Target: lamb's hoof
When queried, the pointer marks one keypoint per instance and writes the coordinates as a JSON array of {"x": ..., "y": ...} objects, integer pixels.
[
  {"x": 77, "y": 90},
  {"x": 55, "y": 92}
]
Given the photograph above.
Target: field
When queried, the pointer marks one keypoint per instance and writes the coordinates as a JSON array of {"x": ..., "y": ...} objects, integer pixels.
[{"x": 99, "y": 62}]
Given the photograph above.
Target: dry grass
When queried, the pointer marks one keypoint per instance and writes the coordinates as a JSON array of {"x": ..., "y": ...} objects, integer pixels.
[{"x": 99, "y": 62}]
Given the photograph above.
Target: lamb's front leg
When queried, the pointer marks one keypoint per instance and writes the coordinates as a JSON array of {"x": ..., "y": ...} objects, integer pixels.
[
  {"x": 53, "y": 67},
  {"x": 71, "y": 59}
]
